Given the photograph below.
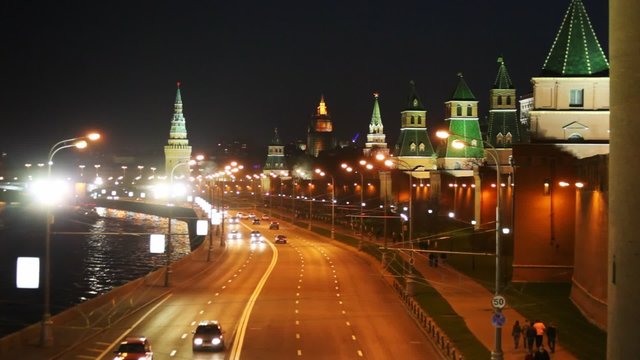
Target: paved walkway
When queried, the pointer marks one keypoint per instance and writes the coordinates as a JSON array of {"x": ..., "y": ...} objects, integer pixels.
[{"x": 472, "y": 302}]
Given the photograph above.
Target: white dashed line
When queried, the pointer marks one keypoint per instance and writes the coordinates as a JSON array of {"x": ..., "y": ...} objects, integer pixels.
[
  {"x": 360, "y": 353},
  {"x": 173, "y": 353},
  {"x": 183, "y": 336},
  {"x": 299, "y": 352}
]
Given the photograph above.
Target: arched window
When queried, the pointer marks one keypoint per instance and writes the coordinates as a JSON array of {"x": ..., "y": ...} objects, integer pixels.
[
  {"x": 508, "y": 138},
  {"x": 459, "y": 110},
  {"x": 508, "y": 100},
  {"x": 575, "y": 138},
  {"x": 419, "y": 120},
  {"x": 469, "y": 110},
  {"x": 499, "y": 139},
  {"x": 499, "y": 99},
  {"x": 412, "y": 147},
  {"x": 421, "y": 147}
]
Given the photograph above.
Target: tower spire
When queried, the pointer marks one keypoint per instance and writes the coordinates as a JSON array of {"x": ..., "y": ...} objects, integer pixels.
[{"x": 575, "y": 50}]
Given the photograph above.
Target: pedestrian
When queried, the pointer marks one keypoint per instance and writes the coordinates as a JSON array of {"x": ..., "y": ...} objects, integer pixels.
[
  {"x": 552, "y": 336},
  {"x": 516, "y": 331},
  {"x": 531, "y": 336},
  {"x": 539, "y": 326},
  {"x": 541, "y": 354}
]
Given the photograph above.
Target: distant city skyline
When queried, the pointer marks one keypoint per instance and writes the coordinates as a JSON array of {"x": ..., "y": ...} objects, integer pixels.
[{"x": 249, "y": 68}]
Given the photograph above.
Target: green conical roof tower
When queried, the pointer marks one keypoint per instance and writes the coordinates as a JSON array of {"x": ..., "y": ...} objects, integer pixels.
[
  {"x": 177, "y": 149},
  {"x": 462, "y": 91},
  {"x": 462, "y": 114},
  {"x": 376, "y": 139},
  {"x": 504, "y": 126},
  {"x": 576, "y": 50},
  {"x": 503, "y": 80},
  {"x": 414, "y": 140}
]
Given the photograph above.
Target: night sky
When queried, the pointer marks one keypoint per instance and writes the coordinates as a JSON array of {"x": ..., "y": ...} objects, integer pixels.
[{"x": 249, "y": 66}]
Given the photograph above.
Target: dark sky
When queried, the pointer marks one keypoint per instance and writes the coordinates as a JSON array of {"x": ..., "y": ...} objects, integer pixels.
[{"x": 249, "y": 66}]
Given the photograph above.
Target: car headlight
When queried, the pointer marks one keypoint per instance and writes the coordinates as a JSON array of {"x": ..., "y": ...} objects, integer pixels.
[
  {"x": 197, "y": 341},
  {"x": 118, "y": 358},
  {"x": 215, "y": 341}
]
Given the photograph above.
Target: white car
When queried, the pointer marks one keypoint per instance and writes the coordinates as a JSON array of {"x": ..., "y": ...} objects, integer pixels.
[
  {"x": 234, "y": 235},
  {"x": 256, "y": 237},
  {"x": 265, "y": 217}
]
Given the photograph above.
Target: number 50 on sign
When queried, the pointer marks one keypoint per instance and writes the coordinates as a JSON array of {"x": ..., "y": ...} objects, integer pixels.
[{"x": 498, "y": 302}]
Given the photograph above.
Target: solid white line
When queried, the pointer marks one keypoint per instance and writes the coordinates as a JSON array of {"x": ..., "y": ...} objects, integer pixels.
[
  {"x": 118, "y": 339},
  {"x": 244, "y": 319}
]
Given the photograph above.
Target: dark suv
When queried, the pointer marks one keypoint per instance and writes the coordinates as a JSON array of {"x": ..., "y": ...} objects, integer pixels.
[
  {"x": 208, "y": 335},
  {"x": 274, "y": 225}
]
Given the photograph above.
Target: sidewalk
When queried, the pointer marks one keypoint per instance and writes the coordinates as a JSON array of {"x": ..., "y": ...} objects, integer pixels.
[{"x": 472, "y": 302}]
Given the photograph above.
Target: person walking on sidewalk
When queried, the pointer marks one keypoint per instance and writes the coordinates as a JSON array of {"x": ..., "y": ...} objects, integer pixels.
[
  {"x": 552, "y": 336},
  {"x": 539, "y": 326},
  {"x": 516, "y": 331},
  {"x": 530, "y": 334}
]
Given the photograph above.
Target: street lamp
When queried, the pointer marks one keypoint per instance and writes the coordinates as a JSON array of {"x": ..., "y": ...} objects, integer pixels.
[
  {"x": 497, "y": 354},
  {"x": 333, "y": 202},
  {"x": 169, "y": 249},
  {"x": 350, "y": 169},
  {"x": 46, "y": 335}
]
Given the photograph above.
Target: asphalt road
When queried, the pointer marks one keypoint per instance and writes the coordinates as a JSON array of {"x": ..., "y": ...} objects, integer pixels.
[{"x": 308, "y": 299}]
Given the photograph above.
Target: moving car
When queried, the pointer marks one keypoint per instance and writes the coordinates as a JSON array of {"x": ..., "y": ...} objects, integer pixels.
[
  {"x": 281, "y": 239},
  {"x": 256, "y": 221},
  {"x": 134, "y": 348},
  {"x": 265, "y": 217},
  {"x": 274, "y": 225},
  {"x": 234, "y": 235},
  {"x": 234, "y": 220},
  {"x": 256, "y": 237},
  {"x": 252, "y": 216},
  {"x": 208, "y": 336}
]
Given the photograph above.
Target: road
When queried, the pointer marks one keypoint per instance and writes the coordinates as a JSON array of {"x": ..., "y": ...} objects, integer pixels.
[{"x": 310, "y": 298}]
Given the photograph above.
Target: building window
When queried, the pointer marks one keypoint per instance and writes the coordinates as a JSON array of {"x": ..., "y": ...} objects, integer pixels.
[
  {"x": 469, "y": 110},
  {"x": 421, "y": 147},
  {"x": 508, "y": 100},
  {"x": 576, "y": 97},
  {"x": 412, "y": 147},
  {"x": 499, "y": 99},
  {"x": 412, "y": 120},
  {"x": 499, "y": 139},
  {"x": 419, "y": 120},
  {"x": 459, "y": 110}
]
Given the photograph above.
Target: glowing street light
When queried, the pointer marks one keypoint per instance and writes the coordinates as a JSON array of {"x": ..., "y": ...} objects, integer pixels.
[
  {"x": 333, "y": 202},
  {"x": 46, "y": 335},
  {"x": 497, "y": 354}
]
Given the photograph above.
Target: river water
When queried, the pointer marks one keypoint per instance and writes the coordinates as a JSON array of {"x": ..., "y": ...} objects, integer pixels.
[{"x": 82, "y": 266}]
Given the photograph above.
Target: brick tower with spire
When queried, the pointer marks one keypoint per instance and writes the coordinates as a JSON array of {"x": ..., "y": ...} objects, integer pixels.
[
  {"x": 320, "y": 136},
  {"x": 461, "y": 113},
  {"x": 504, "y": 126},
  {"x": 177, "y": 150},
  {"x": 376, "y": 139},
  {"x": 414, "y": 147}
]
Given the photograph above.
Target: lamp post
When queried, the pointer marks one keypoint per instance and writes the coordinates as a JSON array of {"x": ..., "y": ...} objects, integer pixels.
[
  {"x": 497, "y": 353},
  {"x": 46, "y": 334},
  {"x": 350, "y": 169},
  {"x": 333, "y": 202},
  {"x": 124, "y": 172},
  {"x": 169, "y": 245},
  {"x": 310, "y": 201}
]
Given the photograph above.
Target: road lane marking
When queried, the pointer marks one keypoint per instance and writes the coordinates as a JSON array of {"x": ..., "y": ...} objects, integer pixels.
[
  {"x": 193, "y": 323},
  {"x": 297, "y": 335},
  {"x": 246, "y": 314},
  {"x": 85, "y": 357},
  {"x": 183, "y": 336},
  {"x": 360, "y": 353},
  {"x": 299, "y": 352},
  {"x": 126, "y": 331},
  {"x": 173, "y": 353}
]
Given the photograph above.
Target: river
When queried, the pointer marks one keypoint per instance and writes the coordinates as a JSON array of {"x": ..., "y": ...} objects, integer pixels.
[{"x": 82, "y": 266}]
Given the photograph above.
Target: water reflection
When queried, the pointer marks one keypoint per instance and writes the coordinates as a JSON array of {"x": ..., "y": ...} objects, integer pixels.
[{"x": 82, "y": 266}]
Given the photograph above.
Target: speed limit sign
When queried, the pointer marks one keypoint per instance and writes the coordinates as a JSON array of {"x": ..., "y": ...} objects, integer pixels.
[{"x": 498, "y": 302}]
